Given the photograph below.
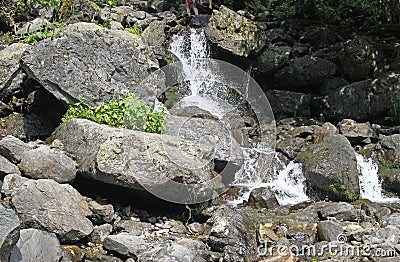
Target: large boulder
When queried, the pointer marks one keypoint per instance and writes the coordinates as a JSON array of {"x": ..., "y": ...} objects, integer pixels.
[
  {"x": 234, "y": 33},
  {"x": 125, "y": 244},
  {"x": 36, "y": 245},
  {"x": 136, "y": 159},
  {"x": 356, "y": 132},
  {"x": 11, "y": 76},
  {"x": 289, "y": 103},
  {"x": 91, "y": 63},
  {"x": 305, "y": 73},
  {"x": 356, "y": 60},
  {"x": 272, "y": 59},
  {"x": 57, "y": 208},
  {"x": 389, "y": 154},
  {"x": 44, "y": 162},
  {"x": 330, "y": 168},
  {"x": 9, "y": 232}
]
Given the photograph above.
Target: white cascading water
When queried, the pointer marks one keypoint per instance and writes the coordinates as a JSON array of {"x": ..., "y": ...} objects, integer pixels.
[
  {"x": 286, "y": 181},
  {"x": 370, "y": 184}
]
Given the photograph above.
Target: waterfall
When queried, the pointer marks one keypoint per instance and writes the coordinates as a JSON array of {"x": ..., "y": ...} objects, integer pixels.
[
  {"x": 286, "y": 181},
  {"x": 370, "y": 184}
]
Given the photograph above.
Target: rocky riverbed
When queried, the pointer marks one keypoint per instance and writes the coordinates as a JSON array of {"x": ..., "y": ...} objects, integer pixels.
[{"x": 80, "y": 190}]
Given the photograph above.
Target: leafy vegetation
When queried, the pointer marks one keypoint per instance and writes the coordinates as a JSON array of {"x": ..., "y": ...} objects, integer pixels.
[
  {"x": 130, "y": 112},
  {"x": 394, "y": 110},
  {"x": 136, "y": 30},
  {"x": 345, "y": 12},
  {"x": 46, "y": 32}
]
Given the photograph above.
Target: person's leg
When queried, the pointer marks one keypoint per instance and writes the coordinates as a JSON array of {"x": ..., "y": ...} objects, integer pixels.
[
  {"x": 210, "y": 4},
  {"x": 187, "y": 8},
  {"x": 195, "y": 10}
]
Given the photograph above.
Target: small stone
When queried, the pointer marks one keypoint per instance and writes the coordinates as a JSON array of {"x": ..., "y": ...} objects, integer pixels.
[
  {"x": 13, "y": 149},
  {"x": 100, "y": 232},
  {"x": 341, "y": 211},
  {"x": 125, "y": 244},
  {"x": 101, "y": 213}
]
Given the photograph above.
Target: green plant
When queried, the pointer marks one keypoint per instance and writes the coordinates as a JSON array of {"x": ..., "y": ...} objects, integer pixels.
[
  {"x": 136, "y": 30},
  {"x": 394, "y": 110},
  {"x": 43, "y": 34},
  {"x": 130, "y": 112},
  {"x": 110, "y": 3}
]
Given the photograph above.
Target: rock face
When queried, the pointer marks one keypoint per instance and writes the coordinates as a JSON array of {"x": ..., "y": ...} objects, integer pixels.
[
  {"x": 305, "y": 72},
  {"x": 331, "y": 169},
  {"x": 9, "y": 232},
  {"x": 135, "y": 159},
  {"x": 234, "y": 33},
  {"x": 46, "y": 204},
  {"x": 36, "y": 245},
  {"x": 44, "y": 162},
  {"x": 10, "y": 74},
  {"x": 91, "y": 62}
]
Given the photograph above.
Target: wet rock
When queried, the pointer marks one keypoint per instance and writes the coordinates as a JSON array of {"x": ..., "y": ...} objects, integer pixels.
[
  {"x": 181, "y": 250},
  {"x": 11, "y": 76},
  {"x": 44, "y": 203},
  {"x": 341, "y": 211},
  {"x": 192, "y": 111},
  {"x": 304, "y": 73},
  {"x": 100, "y": 232},
  {"x": 289, "y": 104},
  {"x": 132, "y": 164},
  {"x": 6, "y": 167},
  {"x": 44, "y": 162},
  {"x": 234, "y": 33},
  {"x": 101, "y": 213},
  {"x": 356, "y": 60},
  {"x": 232, "y": 232},
  {"x": 263, "y": 197},
  {"x": 12, "y": 183},
  {"x": 36, "y": 245},
  {"x": 9, "y": 232},
  {"x": 91, "y": 62},
  {"x": 331, "y": 169},
  {"x": 329, "y": 230},
  {"x": 272, "y": 59},
  {"x": 355, "y": 132},
  {"x": 125, "y": 244},
  {"x": 290, "y": 146}
]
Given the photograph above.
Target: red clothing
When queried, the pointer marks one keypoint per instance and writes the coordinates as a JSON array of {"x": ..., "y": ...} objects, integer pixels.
[{"x": 191, "y": 1}]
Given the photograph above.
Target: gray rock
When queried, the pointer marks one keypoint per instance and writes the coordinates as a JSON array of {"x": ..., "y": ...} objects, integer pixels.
[
  {"x": 9, "y": 232},
  {"x": 100, "y": 232},
  {"x": 289, "y": 104},
  {"x": 135, "y": 159},
  {"x": 118, "y": 14},
  {"x": 290, "y": 146},
  {"x": 32, "y": 26},
  {"x": 390, "y": 153},
  {"x": 393, "y": 220},
  {"x": 263, "y": 198},
  {"x": 46, "y": 204},
  {"x": 355, "y": 132},
  {"x": 36, "y": 245},
  {"x": 331, "y": 169},
  {"x": 272, "y": 59},
  {"x": 356, "y": 59},
  {"x": 12, "y": 183},
  {"x": 234, "y": 33},
  {"x": 133, "y": 227},
  {"x": 93, "y": 63},
  {"x": 329, "y": 230},
  {"x": 88, "y": 10},
  {"x": 305, "y": 73},
  {"x": 6, "y": 167},
  {"x": 181, "y": 250},
  {"x": 101, "y": 213},
  {"x": 125, "y": 244},
  {"x": 13, "y": 149},
  {"x": 44, "y": 162},
  {"x": 11, "y": 76},
  {"x": 341, "y": 211}
]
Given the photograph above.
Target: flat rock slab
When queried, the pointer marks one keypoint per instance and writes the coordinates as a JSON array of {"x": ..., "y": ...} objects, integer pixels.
[
  {"x": 36, "y": 245},
  {"x": 9, "y": 231},
  {"x": 58, "y": 208},
  {"x": 91, "y": 62},
  {"x": 125, "y": 244}
]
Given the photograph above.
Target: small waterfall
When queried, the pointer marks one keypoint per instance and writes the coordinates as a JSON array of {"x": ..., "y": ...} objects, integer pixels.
[
  {"x": 286, "y": 181},
  {"x": 370, "y": 184}
]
